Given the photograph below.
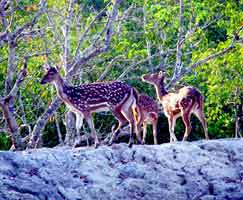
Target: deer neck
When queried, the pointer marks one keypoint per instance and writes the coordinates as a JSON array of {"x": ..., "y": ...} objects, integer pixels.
[
  {"x": 59, "y": 84},
  {"x": 160, "y": 90}
]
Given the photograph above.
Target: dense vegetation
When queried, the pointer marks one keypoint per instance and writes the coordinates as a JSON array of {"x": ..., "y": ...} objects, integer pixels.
[{"x": 195, "y": 42}]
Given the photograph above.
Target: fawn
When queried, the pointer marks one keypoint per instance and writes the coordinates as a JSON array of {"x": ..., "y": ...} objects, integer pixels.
[{"x": 146, "y": 112}]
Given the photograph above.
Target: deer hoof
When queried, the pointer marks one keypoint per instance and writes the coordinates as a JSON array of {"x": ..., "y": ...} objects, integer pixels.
[
  {"x": 96, "y": 145},
  {"x": 142, "y": 142},
  {"x": 110, "y": 143},
  {"x": 130, "y": 144}
]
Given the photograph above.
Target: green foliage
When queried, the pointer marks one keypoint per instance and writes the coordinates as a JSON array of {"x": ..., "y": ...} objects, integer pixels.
[
  {"x": 220, "y": 80},
  {"x": 5, "y": 141}
]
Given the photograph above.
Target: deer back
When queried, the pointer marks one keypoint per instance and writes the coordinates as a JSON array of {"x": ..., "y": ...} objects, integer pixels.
[
  {"x": 147, "y": 103},
  {"x": 190, "y": 94},
  {"x": 103, "y": 93}
]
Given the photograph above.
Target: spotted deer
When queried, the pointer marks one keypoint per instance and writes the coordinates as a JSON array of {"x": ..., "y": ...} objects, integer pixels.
[
  {"x": 146, "y": 112},
  {"x": 83, "y": 100},
  {"x": 184, "y": 102}
]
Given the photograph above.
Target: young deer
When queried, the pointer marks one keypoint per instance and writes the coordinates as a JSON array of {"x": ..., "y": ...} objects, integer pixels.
[
  {"x": 85, "y": 99},
  {"x": 184, "y": 102},
  {"x": 146, "y": 112}
]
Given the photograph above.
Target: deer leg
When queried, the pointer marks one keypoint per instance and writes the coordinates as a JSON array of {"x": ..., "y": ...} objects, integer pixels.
[
  {"x": 128, "y": 114},
  {"x": 200, "y": 115},
  {"x": 93, "y": 131},
  {"x": 154, "y": 124},
  {"x": 139, "y": 119},
  {"x": 128, "y": 110},
  {"x": 121, "y": 122},
  {"x": 132, "y": 129},
  {"x": 172, "y": 121},
  {"x": 138, "y": 130},
  {"x": 144, "y": 132},
  {"x": 79, "y": 124},
  {"x": 188, "y": 127},
  {"x": 116, "y": 132}
]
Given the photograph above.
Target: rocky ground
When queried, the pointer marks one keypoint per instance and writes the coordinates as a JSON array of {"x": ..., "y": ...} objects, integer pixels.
[{"x": 206, "y": 170}]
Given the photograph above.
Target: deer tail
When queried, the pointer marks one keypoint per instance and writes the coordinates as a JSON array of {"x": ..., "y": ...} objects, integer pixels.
[
  {"x": 198, "y": 98},
  {"x": 135, "y": 109},
  {"x": 135, "y": 94}
]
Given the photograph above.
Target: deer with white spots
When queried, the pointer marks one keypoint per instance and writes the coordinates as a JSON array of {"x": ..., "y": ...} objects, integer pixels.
[
  {"x": 83, "y": 100},
  {"x": 184, "y": 102},
  {"x": 146, "y": 112}
]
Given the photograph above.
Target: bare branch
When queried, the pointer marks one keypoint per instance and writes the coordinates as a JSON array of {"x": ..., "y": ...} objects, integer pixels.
[
  {"x": 86, "y": 31},
  {"x": 148, "y": 43},
  {"x": 35, "y": 135},
  {"x": 213, "y": 56},
  {"x": 55, "y": 30},
  {"x": 129, "y": 68},
  {"x": 32, "y": 33},
  {"x": 203, "y": 61},
  {"x": 3, "y": 130},
  {"x": 3, "y": 16},
  {"x": 8, "y": 112},
  {"x": 30, "y": 24},
  {"x": 180, "y": 42},
  {"x": 20, "y": 78},
  {"x": 98, "y": 50},
  {"x": 36, "y": 54},
  {"x": 108, "y": 68},
  {"x": 67, "y": 35}
]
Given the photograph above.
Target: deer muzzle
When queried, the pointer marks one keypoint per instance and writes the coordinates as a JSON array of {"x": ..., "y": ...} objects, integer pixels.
[{"x": 43, "y": 81}]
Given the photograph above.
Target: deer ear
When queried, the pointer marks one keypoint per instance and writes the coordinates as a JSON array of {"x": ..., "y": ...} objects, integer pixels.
[
  {"x": 60, "y": 64},
  {"x": 46, "y": 67},
  {"x": 161, "y": 73},
  {"x": 59, "y": 67}
]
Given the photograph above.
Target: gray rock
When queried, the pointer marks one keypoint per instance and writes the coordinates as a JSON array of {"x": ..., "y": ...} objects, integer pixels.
[{"x": 203, "y": 170}]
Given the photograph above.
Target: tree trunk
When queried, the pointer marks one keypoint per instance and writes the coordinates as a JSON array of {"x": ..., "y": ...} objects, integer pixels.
[
  {"x": 237, "y": 128},
  {"x": 239, "y": 119},
  {"x": 8, "y": 113},
  {"x": 70, "y": 128},
  {"x": 11, "y": 69},
  {"x": 40, "y": 124}
]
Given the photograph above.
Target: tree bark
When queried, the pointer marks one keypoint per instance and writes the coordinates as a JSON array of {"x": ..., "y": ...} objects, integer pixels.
[
  {"x": 239, "y": 119},
  {"x": 70, "y": 118},
  {"x": 7, "y": 105},
  {"x": 8, "y": 113},
  {"x": 71, "y": 131},
  {"x": 11, "y": 69},
  {"x": 40, "y": 124}
]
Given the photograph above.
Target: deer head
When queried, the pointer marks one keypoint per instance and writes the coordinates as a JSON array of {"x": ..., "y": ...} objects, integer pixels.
[
  {"x": 155, "y": 78},
  {"x": 51, "y": 75}
]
